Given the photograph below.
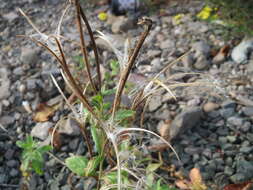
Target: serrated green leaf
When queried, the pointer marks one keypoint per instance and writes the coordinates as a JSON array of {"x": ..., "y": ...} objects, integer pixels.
[
  {"x": 123, "y": 114},
  {"x": 77, "y": 164}
]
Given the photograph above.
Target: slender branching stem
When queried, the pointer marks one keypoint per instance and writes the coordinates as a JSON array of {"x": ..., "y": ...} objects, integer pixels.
[
  {"x": 130, "y": 64},
  {"x": 82, "y": 44},
  {"x": 94, "y": 46}
]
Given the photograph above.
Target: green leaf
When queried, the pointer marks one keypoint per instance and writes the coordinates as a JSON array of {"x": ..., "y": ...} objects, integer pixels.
[
  {"x": 123, "y": 114},
  {"x": 97, "y": 101},
  {"x": 29, "y": 143},
  {"x": 108, "y": 92},
  {"x": 92, "y": 165},
  {"x": 37, "y": 166},
  {"x": 97, "y": 138},
  {"x": 77, "y": 164},
  {"x": 44, "y": 149},
  {"x": 152, "y": 167},
  {"x": 115, "y": 67}
]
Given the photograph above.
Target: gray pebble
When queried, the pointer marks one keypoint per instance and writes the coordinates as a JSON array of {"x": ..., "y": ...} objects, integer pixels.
[
  {"x": 231, "y": 139},
  {"x": 11, "y": 163},
  {"x": 229, "y": 161},
  {"x": 14, "y": 172},
  {"x": 248, "y": 111},
  {"x": 236, "y": 121},
  {"x": 237, "y": 178},
  {"x": 228, "y": 171},
  {"x": 18, "y": 71},
  {"x": 227, "y": 112},
  {"x": 246, "y": 149},
  {"x": 229, "y": 104},
  {"x": 9, "y": 154},
  {"x": 3, "y": 178}
]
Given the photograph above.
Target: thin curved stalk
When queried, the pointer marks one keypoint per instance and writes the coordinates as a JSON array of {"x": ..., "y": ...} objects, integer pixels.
[
  {"x": 82, "y": 44},
  {"x": 94, "y": 47}
]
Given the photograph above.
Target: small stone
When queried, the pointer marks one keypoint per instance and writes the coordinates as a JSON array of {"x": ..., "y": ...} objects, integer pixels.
[
  {"x": 11, "y": 16},
  {"x": 29, "y": 56},
  {"x": 11, "y": 163},
  {"x": 14, "y": 172},
  {"x": 207, "y": 153},
  {"x": 18, "y": 71},
  {"x": 122, "y": 24},
  {"x": 201, "y": 48},
  {"x": 210, "y": 106},
  {"x": 246, "y": 149},
  {"x": 201, "y": 63},
  {"x": 153, "y": 53},
  {"x": 155, "y": 102},
  {"x": 185, "y": 120},
  {"x": 222, "y": 140},
  {"x": 40, "y": 130},
  {"x": 237, "y": 178},
  {"x": 22, "y": 88},
  {"x": 240, "y": 52},
  {"x": 229, "y": 104},
  {"x": 3, "y": 178},
  {"x": 74, "y": 144},
  {"x": 229, "y": 161},
  {"x": 231, "y": 139},
  {"x": 4, "y": 84},
  {"x": 188, "y": 61},
  {"x": 9, "y": 154},
  {"x": 227, "y": 112},
  {"x": 192, "y": 151},
  {"x": 236, "y": 121},
  {"x": 66, "y": 187},
  {"x": 5, "y": 103},
  {"x": 228, "y": 171},
  {"x": 245, "y": 167},
  {"x": 248, "y": 111},
  {"x": 7, "y": 120},
  {"x": 246, "y": 126},
  {"x": 70, "y": 127},
  {"x": 31, "y": 84},
  {"x": 156, "y": 63},
  {"x": 167, "y": 44}
]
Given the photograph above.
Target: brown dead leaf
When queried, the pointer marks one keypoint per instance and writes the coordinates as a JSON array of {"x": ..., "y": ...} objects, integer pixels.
[
  {"x": 195, "y": 176},
  {"x": 241, "y": 186},
  {"x": 182, "y": 184},
  {"x": 221, "y": 55},
  {"x": 43, "y": 112},
  {"x": 158, "y": 147},
  {"x": 164, "y": 129},
  {"x": 57, "y": 142}
]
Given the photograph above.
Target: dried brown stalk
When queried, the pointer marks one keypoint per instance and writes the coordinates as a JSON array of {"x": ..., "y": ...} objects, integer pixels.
[
  {"x": 148, "y": 24},
  {"x": 82, "y": 44},
  {"x": 94, "y": 47}
]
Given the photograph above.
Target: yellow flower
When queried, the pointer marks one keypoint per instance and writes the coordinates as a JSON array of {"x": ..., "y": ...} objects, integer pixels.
[
  {"x": 205, "y": 13},
  {"x": 102, "y": 16},
  {"x": 177, "y": 18}
]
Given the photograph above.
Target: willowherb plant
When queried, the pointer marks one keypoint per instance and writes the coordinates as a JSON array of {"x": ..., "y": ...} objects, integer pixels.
[{"x": 111, "y": 126}]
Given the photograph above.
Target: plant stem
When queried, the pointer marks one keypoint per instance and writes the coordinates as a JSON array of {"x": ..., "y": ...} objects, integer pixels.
[
  {"x": 94, "y": 47},
  {"x": 130, "y": 64},
  {"x": 82, "y": 44}
]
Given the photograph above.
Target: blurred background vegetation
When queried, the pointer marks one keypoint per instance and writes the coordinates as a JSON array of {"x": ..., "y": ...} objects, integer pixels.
[{"x": 237, "y": 15}]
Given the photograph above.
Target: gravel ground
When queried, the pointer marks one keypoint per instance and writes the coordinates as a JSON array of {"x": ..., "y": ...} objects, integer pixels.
[{"x": 215, "y": 122}]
